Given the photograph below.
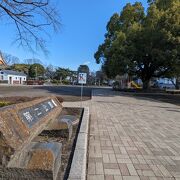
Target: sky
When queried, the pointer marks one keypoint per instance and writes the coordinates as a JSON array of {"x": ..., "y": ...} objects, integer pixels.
[{"x": 83, "y": 25}]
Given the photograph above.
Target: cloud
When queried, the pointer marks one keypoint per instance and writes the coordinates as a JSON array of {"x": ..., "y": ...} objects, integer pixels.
[{"x": 86, "y": 63}]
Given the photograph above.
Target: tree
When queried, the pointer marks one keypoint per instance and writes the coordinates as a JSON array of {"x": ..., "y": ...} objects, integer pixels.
[
  {"x": 142, "y": 45},
  {"x": 92, "y": 78},
  {"x": 84, "y": 69},
  {"x": 10, "y": 59},
  {"x": 50, "y": 73},
  {"x": 175, "y": 74},
  {"x": 62, "y": 73},
  {"x": 21, "y": 68},
  {"x": 36, "y": 71},
  {"x": 31, "y": 19},
  {"x": 32, "y": 61},
  {"x": 100, "y": 77}
]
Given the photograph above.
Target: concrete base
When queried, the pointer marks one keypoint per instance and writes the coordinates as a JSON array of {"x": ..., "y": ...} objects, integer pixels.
[
  {"x": 40, "y": 156},
  {"x": 79, "y": 162},
  {"x": 65, "y": 122}
]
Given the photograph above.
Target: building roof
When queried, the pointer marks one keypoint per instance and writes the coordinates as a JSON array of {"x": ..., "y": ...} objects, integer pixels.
[{"x": 16, "y": 73}]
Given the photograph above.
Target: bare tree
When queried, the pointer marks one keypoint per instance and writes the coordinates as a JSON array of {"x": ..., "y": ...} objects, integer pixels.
[
  {"x": 10, "y": 59},
  {"x": 50, "y": 72},
  {"x": 33, "y": 61},
  {"x": 31, "y": 18}
]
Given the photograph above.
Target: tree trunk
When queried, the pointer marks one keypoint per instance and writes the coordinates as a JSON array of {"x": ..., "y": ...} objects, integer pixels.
[
  {"x": 146, "y": 84},
  {"x": 177, "y": 83}
]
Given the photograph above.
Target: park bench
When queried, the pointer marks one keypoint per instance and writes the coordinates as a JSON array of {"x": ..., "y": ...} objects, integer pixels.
[{"x": 20, "y": 124}]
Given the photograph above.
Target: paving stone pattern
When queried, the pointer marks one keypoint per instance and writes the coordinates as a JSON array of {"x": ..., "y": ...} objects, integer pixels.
[{"x": 132, "y": 138}]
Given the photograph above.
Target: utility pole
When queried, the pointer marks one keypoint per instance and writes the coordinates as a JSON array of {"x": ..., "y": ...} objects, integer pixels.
[{"x": 36, "y": 72}]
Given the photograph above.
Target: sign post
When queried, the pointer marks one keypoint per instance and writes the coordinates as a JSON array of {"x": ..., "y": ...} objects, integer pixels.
[{"x": 82, "y": 78}]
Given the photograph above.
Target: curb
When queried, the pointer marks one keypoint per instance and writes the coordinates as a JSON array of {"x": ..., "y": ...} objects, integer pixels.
[{"x": 79, "y": 162}]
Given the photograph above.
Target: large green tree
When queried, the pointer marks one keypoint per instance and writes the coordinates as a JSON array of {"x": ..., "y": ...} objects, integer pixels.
[
  {"x": 83, "y": 69},
  {"x": 36, "y": 71},
  {"x": 62, "y": 73},
  {"x": 145, "y": 45}
]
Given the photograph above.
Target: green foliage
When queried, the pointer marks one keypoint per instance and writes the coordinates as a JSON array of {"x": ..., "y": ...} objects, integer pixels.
[
  {"x": 4, "y": 103},
  {"x": 100, "y": 76},
  {"x": 83, "y": 69},
  {"x": 20, "y": 67},
  {"x": 66, "y": 82},
  {"x": 62, "y": 73},
  {"x": 144, "y": 45},
  {"x": 36, "y": 71},
  {"x": 55, "y": 81}
]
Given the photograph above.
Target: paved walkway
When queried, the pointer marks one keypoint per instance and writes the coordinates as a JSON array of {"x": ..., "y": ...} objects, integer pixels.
[{"x": 133, "y": 138}]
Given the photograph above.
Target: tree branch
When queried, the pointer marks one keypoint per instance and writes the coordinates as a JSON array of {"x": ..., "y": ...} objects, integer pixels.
[{"x": 31, "y": 18}]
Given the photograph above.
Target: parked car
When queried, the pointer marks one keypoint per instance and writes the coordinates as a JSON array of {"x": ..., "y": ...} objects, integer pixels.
[{"x": 166, "y": 86}]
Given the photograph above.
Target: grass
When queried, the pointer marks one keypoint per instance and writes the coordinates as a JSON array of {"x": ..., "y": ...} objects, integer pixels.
[{"x": 4, "y": 103}]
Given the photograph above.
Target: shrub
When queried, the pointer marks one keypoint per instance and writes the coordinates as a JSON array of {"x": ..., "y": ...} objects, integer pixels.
[{"x": 4, "y": 103}]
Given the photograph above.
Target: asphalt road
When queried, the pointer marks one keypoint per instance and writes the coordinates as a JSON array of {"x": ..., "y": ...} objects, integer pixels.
[
  {"x": 72, "y": 93},
  {"x": 69, "y": 93}
]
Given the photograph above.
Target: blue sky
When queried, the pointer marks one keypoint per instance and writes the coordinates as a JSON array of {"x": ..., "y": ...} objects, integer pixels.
[{"x": 83, "y": 28}]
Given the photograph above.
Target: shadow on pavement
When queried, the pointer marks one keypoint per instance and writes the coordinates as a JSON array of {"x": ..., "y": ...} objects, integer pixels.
[
  {"x": 66, "y": 90},
  {"x": 154, "y": 97}
]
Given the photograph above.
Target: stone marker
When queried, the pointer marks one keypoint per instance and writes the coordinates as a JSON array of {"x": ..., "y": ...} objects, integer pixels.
[
  {"x": 19, "y": 124},
  {"x": 41, "y": 156}
]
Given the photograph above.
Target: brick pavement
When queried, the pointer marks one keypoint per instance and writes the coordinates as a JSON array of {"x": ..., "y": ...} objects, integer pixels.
[{"x": 132, "y": 139}]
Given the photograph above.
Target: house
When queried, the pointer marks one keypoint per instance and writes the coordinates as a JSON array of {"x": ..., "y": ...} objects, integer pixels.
[{"x": 12, "y": 77}]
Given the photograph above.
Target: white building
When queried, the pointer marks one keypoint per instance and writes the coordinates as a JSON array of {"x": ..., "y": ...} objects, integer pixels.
[{"x": 12, "y": 77}]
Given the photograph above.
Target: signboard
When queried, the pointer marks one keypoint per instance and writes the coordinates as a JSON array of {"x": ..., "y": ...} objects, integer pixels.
[
  {"x": 82, "y": 78},
  {"x": 33, "y": 114}
]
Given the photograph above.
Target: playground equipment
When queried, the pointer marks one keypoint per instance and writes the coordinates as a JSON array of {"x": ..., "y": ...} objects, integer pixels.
[
  {"x": 134, "y": 85},
  {"x": 126, "y": 82}
]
